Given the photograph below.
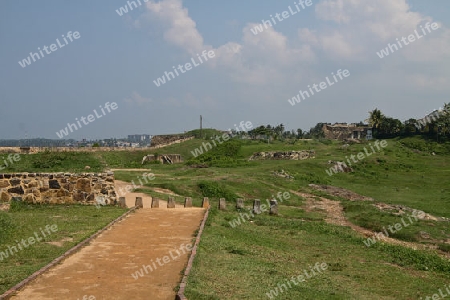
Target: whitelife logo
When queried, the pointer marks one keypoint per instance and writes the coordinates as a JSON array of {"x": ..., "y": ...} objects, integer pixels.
[
  {"x": 433, "y": 117},
  {"x": 361, "y": 155},
  {"x": 187, "y": 67},
  {"x": 11, "y": 159},
  {"x": 417, "y": 215},
  {"x": 265, "y": 24},
  {"x": 165, "y": 260},
  {"x": 319, "y": 87},
  {"x": 27, "y": 61},
  {"x": 280, "y": 288},
  {"x": 31, "y": 240},
  {"x": 199, "y": 151},
  {"x": 124, "y": 9},
  {"x": 90, "y": 119},
  {"x": 391, "y": 48}
]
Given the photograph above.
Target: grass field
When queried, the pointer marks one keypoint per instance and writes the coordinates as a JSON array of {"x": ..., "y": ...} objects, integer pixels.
[{"x": 249, "y": 260}]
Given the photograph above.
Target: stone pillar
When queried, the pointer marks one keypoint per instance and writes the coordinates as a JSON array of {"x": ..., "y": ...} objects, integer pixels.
[
  {"x": 139, "y": 202},
  {"x": 122, "y": 202},
  {"x": 188, "y": 202},
  {"x": 222, "y": 204},
  {"x": 205, "y": 203},
  {"x": 273, "y": 207},
  {"x": 155, "y": 202},
  {"x": 170, "y": 202},
  {"x": 257, "y": 206},
  {"x": 239, "y": 203}
]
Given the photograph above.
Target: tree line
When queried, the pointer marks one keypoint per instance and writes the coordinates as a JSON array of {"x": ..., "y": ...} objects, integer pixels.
[{"x": 435, "y": 125}]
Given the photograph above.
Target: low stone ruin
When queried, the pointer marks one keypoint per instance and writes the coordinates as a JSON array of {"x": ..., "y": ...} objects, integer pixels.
[
  {"x": 59, "y": 188},
  {"x": 286, "y": 155},
  {"x": 163, "y": 158},
  {"x": 283, "y": 174}
]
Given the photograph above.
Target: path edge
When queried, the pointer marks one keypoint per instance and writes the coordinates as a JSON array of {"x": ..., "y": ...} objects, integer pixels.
[
  {"x": 9, "y": 293},
  {"x": 180, "y": 294}
]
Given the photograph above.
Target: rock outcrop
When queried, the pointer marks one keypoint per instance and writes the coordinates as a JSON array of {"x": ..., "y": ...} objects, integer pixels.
[{"x": 289, "y": 155}]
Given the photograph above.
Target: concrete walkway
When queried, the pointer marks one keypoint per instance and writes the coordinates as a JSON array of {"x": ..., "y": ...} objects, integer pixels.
[{"x": 105, "y": 268}]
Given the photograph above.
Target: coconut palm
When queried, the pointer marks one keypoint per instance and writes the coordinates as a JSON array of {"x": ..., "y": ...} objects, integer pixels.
[{"x": 375, "y": 118}]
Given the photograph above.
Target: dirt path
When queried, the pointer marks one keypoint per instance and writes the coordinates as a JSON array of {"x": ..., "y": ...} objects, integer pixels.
[
  {"x": 130, "y": 198},
  {"x": 335, "y": 215},
  {"x": 103, "y": 269}
]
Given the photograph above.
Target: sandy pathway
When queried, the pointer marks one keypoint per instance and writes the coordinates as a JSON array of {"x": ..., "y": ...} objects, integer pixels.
[{"x": 104, "y": 268}]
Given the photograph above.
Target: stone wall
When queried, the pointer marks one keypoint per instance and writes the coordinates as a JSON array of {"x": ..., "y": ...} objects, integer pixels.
[
  {"x": 32, "y": 150},
  {"x": 293, "y": 155},
  {"x": 342, "y": 131},
  {"x": 159, "y": 141},
  {"x": 58, "y": 187},
  {"x": 163, "y": 158}
]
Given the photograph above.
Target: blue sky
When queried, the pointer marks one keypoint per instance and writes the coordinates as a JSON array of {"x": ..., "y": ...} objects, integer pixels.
[{"x": 251, "y": 77}]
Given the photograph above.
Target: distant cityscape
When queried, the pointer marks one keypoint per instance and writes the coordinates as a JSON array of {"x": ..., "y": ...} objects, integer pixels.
[{"x": 133, "y": 141}]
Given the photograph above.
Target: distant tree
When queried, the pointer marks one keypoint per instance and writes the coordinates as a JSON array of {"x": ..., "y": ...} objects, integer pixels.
[
  {"x": 317, "y": 131},
  {"x": 390, "y": 127},
  {"x": 375, "y": 119},
  {"x": 410, "y": 127}
]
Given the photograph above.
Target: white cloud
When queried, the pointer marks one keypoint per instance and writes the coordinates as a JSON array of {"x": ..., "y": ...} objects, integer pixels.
[
  {"x": 353, "y": 31},
  {"x": 258, "y": 59},
  {"x": 180, "y": 28},
  {"x": 137, "y": 99}
]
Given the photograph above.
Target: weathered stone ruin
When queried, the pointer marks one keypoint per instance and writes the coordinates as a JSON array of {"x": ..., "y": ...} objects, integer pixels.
[
  {"x": 344, "y": 131},
  {"x": 166, "y": 140},
  {"x": 289, "y": 155},
  {"x": 59, "y": 188},
  {"x": 163, "y": 158}
]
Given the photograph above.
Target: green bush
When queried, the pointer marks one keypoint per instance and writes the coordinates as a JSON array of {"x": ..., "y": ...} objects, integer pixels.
[
  {"x": 214, "y": 189},
  {"x": 223, "y": 155}
]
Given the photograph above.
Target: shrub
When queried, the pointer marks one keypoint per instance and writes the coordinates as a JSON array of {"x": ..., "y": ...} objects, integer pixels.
[
  {"x": 214, "y": 189},
  {"x": 223, "y": 155}
]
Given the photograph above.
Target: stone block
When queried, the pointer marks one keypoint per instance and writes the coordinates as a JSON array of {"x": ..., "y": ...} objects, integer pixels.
[
  {"x": 205, "y": 203},
  {"x": 16, "y": 190},
  {"x": 170, "y": 202},
  {"x": 155, "y": 202},
  {"x": 257, "y": 206},
  {"x": 84, "y": 184},
  {"x": 15, "y": 181},
  {"x": 139, "y": 202},
  {"x": 273, "y": 207},
  {"x": 4, "y": 183},
  {"x": 122, "y": 202},
  {"x": 222, "y": 204},
  {"x": 4, "y": 196},
  {"x": 188, "y": 202},
  {"x": 239, "y": 203}
]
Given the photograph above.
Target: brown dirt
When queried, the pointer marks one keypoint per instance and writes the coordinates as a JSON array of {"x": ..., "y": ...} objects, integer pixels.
[
  {"x": 104, "y": 267},
  {"x": 340, "y": 192},
  {"x": 335, "y": 215}
]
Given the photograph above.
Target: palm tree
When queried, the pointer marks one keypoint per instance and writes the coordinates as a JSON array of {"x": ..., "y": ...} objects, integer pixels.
[{"x": 375, "y": 118}]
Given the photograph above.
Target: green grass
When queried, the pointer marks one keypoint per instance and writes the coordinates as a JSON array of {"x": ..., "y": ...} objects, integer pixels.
[
  {"x": 249, "y": 260},
  {"x": 74, "y": 222}
]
